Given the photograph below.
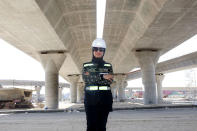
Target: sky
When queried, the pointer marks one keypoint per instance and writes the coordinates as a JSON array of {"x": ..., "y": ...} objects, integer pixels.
[{"x": 100, "y": 17}]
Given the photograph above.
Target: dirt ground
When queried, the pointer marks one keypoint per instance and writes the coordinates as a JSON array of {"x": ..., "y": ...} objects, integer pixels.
[{"x": 128, "y": 120}]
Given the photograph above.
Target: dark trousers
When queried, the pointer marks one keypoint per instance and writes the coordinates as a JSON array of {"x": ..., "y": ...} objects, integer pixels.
[{"x": 96, "y": 119}]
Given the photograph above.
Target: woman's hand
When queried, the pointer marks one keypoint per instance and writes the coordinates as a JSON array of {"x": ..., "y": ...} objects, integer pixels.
[
  {"x": 86, "y": 73},
  {"x": 108, "y": 77}
]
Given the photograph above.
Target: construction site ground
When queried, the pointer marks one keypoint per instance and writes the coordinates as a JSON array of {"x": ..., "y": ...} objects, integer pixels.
[{"x": 127, "y": 116}]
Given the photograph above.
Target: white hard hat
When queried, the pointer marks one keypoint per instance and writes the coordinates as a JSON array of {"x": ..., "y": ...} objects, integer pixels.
[{"x": 99, "y": 42}]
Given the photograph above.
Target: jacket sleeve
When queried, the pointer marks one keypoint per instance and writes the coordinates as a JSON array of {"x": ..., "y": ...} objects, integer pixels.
[
  {"x": 91, "y": 78},
  {"x": 107, "y": 82},
  {"x": 95, "y": 78}
]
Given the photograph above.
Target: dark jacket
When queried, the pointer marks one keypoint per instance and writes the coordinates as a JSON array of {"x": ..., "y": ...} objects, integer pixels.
[{"x": 98, "y": 98}]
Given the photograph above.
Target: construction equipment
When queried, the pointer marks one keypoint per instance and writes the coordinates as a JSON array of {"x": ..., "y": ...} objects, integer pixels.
[{"x": 11, "y": 98}]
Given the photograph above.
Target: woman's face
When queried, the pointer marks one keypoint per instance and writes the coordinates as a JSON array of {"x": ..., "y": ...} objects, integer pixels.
[{"x": 98, "y": 52}]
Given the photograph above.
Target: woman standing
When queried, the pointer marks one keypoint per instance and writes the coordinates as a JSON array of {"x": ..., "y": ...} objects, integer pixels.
[{"x": 97, "y": 75}]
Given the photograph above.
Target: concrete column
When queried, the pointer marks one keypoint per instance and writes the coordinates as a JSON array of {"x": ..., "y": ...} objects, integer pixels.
[
  {"x": 116, "y": 92},
  {"x": 124, "y": 85},
  {"x": 38, "y": 88},
  {"x": 120, "y": 80},
  {"x": 80, "y": 92},
  {"x": 147, "y": 60},
  {"x": 159, "y": 80},
  {"x": 113, "y": 90},
  {"x": 60, "y": 93},
  {"x": 121, "y": 94},
  {"x": 51, "y": 62},
  {"x": 73, "y": 79}
]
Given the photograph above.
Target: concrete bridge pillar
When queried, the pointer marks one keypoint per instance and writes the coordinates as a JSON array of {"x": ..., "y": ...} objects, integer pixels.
[
  {"x": 38, "y": 88},
  {"x": 51, "y": 62},
  {"x": 113, "y": 90},
  {"x": 147, "y": 60},
  {"x": 121, "y": 91},
  {"x": 120, "y": 83},
  {"x": 73, "y": 79},
  {"x": 60, "y": 93},
  {"x": 80, "y": 92},
  {"x": 159, "y": 80}
]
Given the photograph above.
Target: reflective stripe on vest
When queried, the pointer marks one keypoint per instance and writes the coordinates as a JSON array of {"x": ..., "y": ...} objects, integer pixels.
[
  {"x": 88, "y": 65},
  {"x": 103, "y": 88},
  {"x": 93, "y": 88},
  {"x": 107, "y": 65}
]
